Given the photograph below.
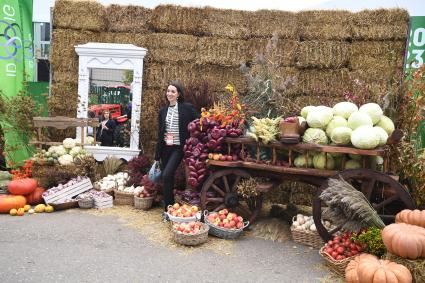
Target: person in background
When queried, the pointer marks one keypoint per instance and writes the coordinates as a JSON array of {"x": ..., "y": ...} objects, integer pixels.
[
  {"x": 173, "y": 120},
  {"x": 106, "y": 129},
  {"x": 90, "y": 115}
]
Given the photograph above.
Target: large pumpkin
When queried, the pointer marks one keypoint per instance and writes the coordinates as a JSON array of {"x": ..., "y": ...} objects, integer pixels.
[
  {"x": 36, "y": 196},
  {"x": 367, "y": 268},
  {"x": 414, "y": 217},
  {"x": 7, "y": 202},
  {"x": 404, "y": 240},
  {"x": 22, "y": 186}
]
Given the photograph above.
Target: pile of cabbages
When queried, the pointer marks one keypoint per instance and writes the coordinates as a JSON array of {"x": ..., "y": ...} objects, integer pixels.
[{"x": 345, "y": 124}]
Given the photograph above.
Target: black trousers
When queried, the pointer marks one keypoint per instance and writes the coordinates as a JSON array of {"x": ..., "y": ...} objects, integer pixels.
[{"x": 170, "y": 161}]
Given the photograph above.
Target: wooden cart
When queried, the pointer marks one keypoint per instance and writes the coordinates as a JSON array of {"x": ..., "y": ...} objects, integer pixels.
[{"x": 383, "y": 190}]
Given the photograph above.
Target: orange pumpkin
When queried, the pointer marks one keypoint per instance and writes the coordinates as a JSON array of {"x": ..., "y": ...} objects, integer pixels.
[
  {"x": 7, "y": 202},
  {"x": 36, "y": 196},
  {"x": 22, "y": 186},
  {"x": 404, "y": 240},
  {"x": 414, "y": 217},
  {"x": 367, "y": 268}
]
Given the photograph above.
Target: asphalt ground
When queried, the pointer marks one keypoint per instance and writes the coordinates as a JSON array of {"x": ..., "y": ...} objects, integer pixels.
[{"x": 112, "y": 246}]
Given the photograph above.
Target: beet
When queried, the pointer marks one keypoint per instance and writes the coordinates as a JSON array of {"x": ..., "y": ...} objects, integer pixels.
[
  {"x": 215, "y": 133},
  {"x": 223, "y": 132}
]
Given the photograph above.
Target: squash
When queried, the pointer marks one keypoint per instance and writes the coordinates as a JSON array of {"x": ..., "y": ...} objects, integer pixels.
[
  {"x": 36, "y": 196},
  {"x": 404, "y": 240},
  {"x": 367, "y": 268},
  {"x": 414, "y": 217},
  {"x": 22, "y": 186},
  {"x": 7, "y": 202}
]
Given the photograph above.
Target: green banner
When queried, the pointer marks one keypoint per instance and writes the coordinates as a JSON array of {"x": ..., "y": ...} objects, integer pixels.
[
  {"x": 16, "y": 64},
  {"x": 415, "y": 57}
]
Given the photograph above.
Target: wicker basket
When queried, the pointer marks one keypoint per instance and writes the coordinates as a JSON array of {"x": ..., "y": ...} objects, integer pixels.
[
  {"x": 224, "y": 233},
  {"x": 122, "y": 198},
  {"x": 306, "y": 237},
  {"x": 86, "y": 203},
  {"x": 143, "y": 203},
  {"x": 337, "y": 266},
  {"x": 184, "y": 219},
  {"x": 65, "y": 205},
  {"x": 189, "y": 239}
]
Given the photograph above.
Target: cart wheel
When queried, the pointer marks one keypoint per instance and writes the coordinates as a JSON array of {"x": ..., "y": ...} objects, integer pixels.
[
  {"x": 387, "y": 196},
  {"x": 219, "y": 192}
]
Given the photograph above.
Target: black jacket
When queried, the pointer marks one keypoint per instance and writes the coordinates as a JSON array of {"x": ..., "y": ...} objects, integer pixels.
[{"x": 186, "y": 115}]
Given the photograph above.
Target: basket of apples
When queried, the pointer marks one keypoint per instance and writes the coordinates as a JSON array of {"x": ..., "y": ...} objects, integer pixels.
[
  {"x": 225, "y": 224},
  {"x": 183, "y": 213},
  {"x": 144, "y": 200},
  {"x": 190, "y": 233},
  {"x": 339, "y": 251}
]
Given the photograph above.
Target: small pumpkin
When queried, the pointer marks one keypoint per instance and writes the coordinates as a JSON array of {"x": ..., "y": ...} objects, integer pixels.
[
  {"x": 7, "y": 202},
  {"x": 36, "y": 196},
  {"x": 404, "y": 240},
  {"x": 367, "y": 268},
  {"x": 22, "y": 186},
  {"x": 413, "y": 217}
]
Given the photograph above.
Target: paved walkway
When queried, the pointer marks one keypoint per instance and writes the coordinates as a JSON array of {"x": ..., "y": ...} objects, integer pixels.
[{"x": 81, "y": 246}]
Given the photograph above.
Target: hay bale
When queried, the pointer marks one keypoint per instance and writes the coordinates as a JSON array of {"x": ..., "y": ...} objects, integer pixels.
[
  {"x": 363, "y": 62},
  {"x": 60, "y": 92},
  {"x": 158, "y": 74},
  {"x": 152, "y": 99},
  {"x": 121, "y": 37},
  {"x": 177, "y": 19},
  {"x": 220, "y": 76},
  {"x": 323, "y": 54},
  {"x": 79, "y": 15},
  {"x": 266, "y": 23},
  {"x": 325, "y": 82},
  {"x": 223, "y": 52},
  {"x": 324, "y": 25},
  {"x": 283, "y": 52},
  {"x": 387, "y": 49},
  {"x": 227, "y": 23},
  {"x": 416, "y": 267},
  {"x": 381, "y": 24},
  {"x": 165, "y": 47},
  {"x": 62, "y": 53},
  {"x": 128, "y": 18},
  {"x": 65, "y": 76}
]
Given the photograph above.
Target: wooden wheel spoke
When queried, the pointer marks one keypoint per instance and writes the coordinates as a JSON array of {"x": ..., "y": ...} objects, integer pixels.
[
  {"x": 367, "y": 187},
  {"x": 218, "y": 190},
  {"x": 221, "y": 200},
  {"x": 238, "y": 178},
  {"x": 220, "y": 207},
  {"x": 385, "y": 202},
  {"x": 226, "y": 183}
]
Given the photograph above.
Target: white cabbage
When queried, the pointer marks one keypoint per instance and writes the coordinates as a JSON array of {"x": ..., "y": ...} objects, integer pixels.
[
  {"x": 365, "y": 137},
  {"x": 373, "y": 110},
  {"x": 299, "y": 161},
  {"x": 352, "y": 164},
  {"x": 319, "y": 161},
  {"x": 344, "y": 109},
  {"x": 306, "y": 109},
  {"x": 313, "y": 135},
  {"x": 337, "y": 121},
  {"x": 383, "y": 136},
  {"x": 341, "y": 135},
  {"x": 386, "y": 124},
  {"x": 358, "y": 119}
]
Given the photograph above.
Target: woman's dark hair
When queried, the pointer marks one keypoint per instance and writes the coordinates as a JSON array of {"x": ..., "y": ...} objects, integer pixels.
[{"x": 179, "y": 88}]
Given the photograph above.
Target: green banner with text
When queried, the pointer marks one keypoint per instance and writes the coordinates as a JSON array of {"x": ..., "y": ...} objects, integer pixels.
[{"x": 16, "y": 65}]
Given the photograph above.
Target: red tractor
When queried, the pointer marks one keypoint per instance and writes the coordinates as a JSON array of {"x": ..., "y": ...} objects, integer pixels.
[{"x": 114, "y": 110}]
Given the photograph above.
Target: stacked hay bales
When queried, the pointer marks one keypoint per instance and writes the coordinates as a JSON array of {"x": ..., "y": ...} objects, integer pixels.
[{"x": 328, "y": 53}]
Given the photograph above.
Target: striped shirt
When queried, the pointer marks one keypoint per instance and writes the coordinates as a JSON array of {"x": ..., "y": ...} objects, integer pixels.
[{"x": 172, "y": 124}]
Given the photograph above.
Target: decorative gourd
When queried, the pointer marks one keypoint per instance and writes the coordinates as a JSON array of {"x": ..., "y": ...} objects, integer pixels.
[
  {"x": 36, "y": 196},
  {"x": 22, "y": 186},
  {"x": 414, "y": 217},
  {"x": 367, "y": 268},
  {"x": 404, "y": 240},
  {"x": 7, "y": 202}
]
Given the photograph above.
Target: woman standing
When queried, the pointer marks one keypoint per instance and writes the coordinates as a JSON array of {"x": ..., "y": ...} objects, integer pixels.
[
  {"x": 106, "y": 129},
  {"x": 173, "y": 120}
]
